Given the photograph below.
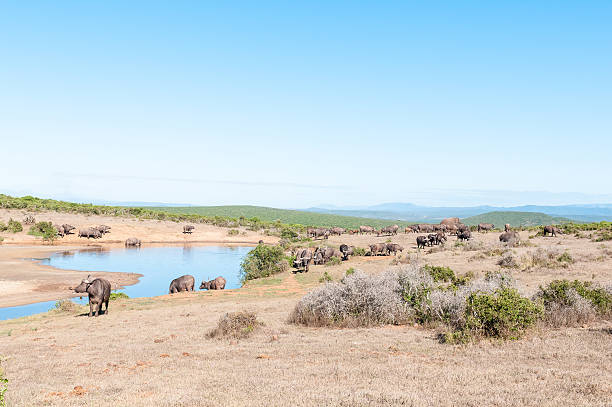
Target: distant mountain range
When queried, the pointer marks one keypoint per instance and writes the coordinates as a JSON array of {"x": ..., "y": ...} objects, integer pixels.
[{"x": 416, "y": 213}]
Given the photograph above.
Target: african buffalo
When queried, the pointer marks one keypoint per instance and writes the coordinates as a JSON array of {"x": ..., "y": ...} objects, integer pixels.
[
  {"x": 389, "y": 230},
  {"x": 67, "y": 228},
  {"x": 464, "y": 234},
  {"x": 318, "y": 232},
  {"x": 303, "y": 258},
  {"x": 99, "y": 293},
  {"x": 182, "y": 283},
  {"x": 378, "y": 248},
  {"x": 366, "y": 229},
  {"x": 509, "y": 237},
  {"x": 133, "y": 242},
  {"x": 216, "y": 284},
  {"x": 422, "y": 241},
  {"x": 394, "y": 248},
  {"x": 188, "y": 229},
  {"x": 90, "y": 232},
  {"x": 551, "y": 230},
  {"x": 507, "y": 227},
  {"x": 337, "y": 231},
  {"x": 426, "y": 228},
  {"x": 346, "y": 251},
  {"x": 485, "y": 227}
]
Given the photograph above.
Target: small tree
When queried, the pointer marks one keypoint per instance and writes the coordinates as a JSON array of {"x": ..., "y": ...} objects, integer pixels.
[{"x": 263, "y": 261}]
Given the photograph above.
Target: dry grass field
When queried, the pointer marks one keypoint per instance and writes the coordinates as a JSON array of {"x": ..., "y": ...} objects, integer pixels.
[{"x": 157, "y": 352}]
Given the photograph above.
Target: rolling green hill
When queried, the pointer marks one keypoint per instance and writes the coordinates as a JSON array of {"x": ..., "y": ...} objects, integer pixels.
[
  {"x": 515, "y": 219},
  {"x": 284, "y": 215}
]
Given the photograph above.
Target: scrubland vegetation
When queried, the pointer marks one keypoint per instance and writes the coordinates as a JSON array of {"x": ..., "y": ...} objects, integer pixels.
[
  {"x": 462, "y": 309},
  {"x": 236, "y": 325}
]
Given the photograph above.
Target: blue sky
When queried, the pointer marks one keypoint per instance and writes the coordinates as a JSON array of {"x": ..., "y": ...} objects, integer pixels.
[{"x": 292, "y": 105}]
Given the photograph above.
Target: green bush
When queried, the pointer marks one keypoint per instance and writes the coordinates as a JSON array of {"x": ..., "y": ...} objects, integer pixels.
[
  {"x": 558, "y": 292},
  {"x": 325, "y": 278},
  {"x": 263, "y": 261},
  {"x": 3, "y": 388},
  {"x": 333, "y": 261},
  {"x": 118, "y": 295},
  {"x": 233, "y": 232},
  {"x": 503, "y": 314},
  {"x": 359, "y": 251},
  {"x": 287, "y": 233},
  {"x": 44, "y": 230},
  {"x": 565, "y": 258},
  {"x": 3, "y": 227},
  {"x": 603, "y": 237},
  {"x": 439, "y": 273},
  {"x": 350, "y": 271},
  {"x": 14, "y": 226}
]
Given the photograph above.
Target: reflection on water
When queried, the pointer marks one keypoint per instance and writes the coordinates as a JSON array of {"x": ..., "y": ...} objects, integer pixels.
[{"x": 158, "y": 265}]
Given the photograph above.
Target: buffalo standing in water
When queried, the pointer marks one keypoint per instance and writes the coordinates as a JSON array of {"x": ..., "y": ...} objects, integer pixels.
[
  {"x": 183, "y": 283},
  {"x": 132, "y": 242},
  {"x": 216, "y": 284},
  {"x": 99, "y": 293}
]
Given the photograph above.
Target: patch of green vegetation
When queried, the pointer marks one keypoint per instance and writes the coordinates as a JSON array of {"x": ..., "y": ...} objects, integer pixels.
[
  {"x": 14, "y": 226},
  {"x": 118, "y": 295},
  {"x": 565, "y": 258},
  {"x": 439, "y": 273},
  {"x": 603, "y": 237},
  {"x": 350, "y": 271},
  {"x": 44, "y": 230},
  {"x": 3, "y": 388},
  {"x": 263, "y": 261},
  {"x": 359, "y": 251},
  {"x": 503, "y": 314},
  {"x": 325, "y": 278},
  {"x": 557, "y": 292},
  {"x": 334, "y": 261},
  {"x": 291, "y": 217},
  {"x": 3, "y": 227},
  {"x": 515, "y": 219},
  {"x": 233, "y": 232}
]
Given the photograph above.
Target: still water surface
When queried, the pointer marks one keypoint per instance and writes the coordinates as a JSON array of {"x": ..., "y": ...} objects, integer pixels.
[{"x": 158, "y": 265}]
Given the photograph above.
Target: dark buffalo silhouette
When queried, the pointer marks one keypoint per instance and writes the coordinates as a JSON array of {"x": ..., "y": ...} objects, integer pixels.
[
  {"x": 485, "y": 227},
  {"x": 377, "y": 248},
  {"x": 133, "y": 242},
  {"x": 551, "y": 230},
  {"x": 394, "y": 248},
  {"x": 422, "y": 241},
  {"x": 346, "y": 251},
  {"x": 188, "y": 229},
  {"x": 509, "y": 237},
  {"x": 303, "y": 258},
  {"x": 216, "y": 284},
  {"x": 98, "y": 290},
  {"x": 464, "y": 234},
  {"x": 90, "y": 232},
  {"x": 182, "y": 283}
]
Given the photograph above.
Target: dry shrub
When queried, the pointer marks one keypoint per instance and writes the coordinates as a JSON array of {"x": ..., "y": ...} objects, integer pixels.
[
  {"x": 358, "y": 299},
  {"x": 448, "y": 306},
  {"x": 547, "y": 258},
  {"x": 571, "y": 303},
  {"x": 470, "y": 245},
  {"x": 578, "y": 312},
  {"x": 235, "y": 325},
  {"x": 508, "y": 260}
]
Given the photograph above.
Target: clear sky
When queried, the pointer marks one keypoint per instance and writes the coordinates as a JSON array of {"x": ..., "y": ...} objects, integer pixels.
[{"x": 295, "y": 104}]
